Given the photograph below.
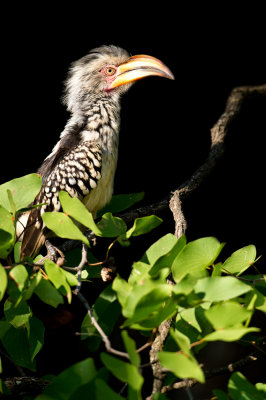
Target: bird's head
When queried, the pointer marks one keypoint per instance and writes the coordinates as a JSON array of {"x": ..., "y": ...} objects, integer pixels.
[{"x": 108, "y": 71}]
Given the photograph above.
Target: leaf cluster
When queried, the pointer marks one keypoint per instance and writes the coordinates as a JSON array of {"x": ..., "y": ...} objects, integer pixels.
[{"x": 207, "y": 298}]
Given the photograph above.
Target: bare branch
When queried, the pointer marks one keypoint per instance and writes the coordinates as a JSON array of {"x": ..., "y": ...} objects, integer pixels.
[
  {"x": 212, "y": 373},
  {"x": 99, "y": 329},
  {"x": 218, "y": 134},
  {"x": 83, "y": 261},
  {"x": 157, "y": 346}
]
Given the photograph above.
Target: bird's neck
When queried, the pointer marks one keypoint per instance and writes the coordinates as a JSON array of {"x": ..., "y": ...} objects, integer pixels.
[{"x": 99, "y": 119}]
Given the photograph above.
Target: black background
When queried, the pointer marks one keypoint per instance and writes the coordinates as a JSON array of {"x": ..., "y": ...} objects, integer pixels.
[{"x": 165, "y": 124}]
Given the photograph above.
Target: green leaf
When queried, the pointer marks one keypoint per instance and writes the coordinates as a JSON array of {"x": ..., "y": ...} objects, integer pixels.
[
  {"x": 143, "y": 225},
  {"x": 227, "y": 314},
  {"x": 143, "y": 300},
  {"x": 160, "y": 248},
  {"x": 71, "y": 278},
  {"x": 63, "y": 226},
  {"x": 48, "y": 294},
  {"x": 130, "y": 346},
  {"x": 3, "y": 281},
  {"x": 17, "y": 315},
  {"x": 58, "y": 278},
  {"x": 196, "y": 256},
  {"x": 20, "y": 276},
  {"x": 229, "y": 334},
  {"x": 219, "y": 288},
  {"x": 16, "y": 344},
  {"x": 25, "y": 342},
  {"x": 35, "y": 336},
  {"x": 122, "y": 289},
  {"x": 162, "y": 313},
  {"x": 68, "y": 381},
  {"x": 167, "y": 259},
  {"x": 181, "y": 365},
  {"x": 104, "y": 392},
  {"x": 7, "y": 232},
  {"x": 4, "y": 327},
  {"x": 240, "y": 388},
  {"x": 220, "y": 395},
  {"x": 17, "y": 248},
  {"x": 11, "y": 202},
  {"x": 139, "y": 273},
  {"x": 23, "y": 190},
  {"x": 76, "y": 209},
  {"x": 121, "y": 202},
  {"x": 111, "y": 226},
  {"x": 159, "y": 396},
  {"x": 182, "y": 341},
  {"x": 240, "y": 260},
  {"x": 123, "y": 371},
  {"x": 106, "y": 310}
]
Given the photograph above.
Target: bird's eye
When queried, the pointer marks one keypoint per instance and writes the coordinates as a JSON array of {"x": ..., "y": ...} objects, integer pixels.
[{"x": 110, "y": 71}]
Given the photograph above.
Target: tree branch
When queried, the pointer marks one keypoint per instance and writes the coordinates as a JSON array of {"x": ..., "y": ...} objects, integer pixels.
[
  {"x": 218, "y": 133},
  {"x": 174, "y": 199},
  {"x": 212, "y": 373}
]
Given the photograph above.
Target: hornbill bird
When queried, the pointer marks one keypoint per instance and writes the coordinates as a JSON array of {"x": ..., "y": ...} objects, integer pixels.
[{"x": 84, "y": 160}]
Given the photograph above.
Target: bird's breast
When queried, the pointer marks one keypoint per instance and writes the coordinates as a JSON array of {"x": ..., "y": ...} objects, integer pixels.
[{"x": 102, "y": 193}]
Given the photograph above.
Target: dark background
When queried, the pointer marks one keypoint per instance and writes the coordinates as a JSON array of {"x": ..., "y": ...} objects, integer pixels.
[{"x": 165, "y": 124}]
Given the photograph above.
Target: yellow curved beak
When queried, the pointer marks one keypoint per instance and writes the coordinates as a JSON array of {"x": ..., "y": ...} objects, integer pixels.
[{"x": 138, "y": 67}]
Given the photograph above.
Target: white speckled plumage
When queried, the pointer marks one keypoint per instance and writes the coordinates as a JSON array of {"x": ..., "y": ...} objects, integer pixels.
[{"x": 84, "y": 160}]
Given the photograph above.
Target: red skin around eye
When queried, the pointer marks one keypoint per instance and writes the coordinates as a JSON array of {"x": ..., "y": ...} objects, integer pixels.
[{"x": 109, "y": 78}]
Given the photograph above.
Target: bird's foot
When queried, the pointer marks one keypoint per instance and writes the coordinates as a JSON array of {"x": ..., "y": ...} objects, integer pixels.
[{"x": 53, "y": 254}]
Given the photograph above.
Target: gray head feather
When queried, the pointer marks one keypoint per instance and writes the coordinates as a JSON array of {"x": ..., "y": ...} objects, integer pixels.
[{"x": 85, "y": 81}]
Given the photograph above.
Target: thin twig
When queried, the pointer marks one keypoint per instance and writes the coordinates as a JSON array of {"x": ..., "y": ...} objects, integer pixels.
[
  {"x": 79, "y": 268},
  {"x": 212, "y": 373},
  {"x": 218, "y": 134},
  {"x": 99, "y": 329}
]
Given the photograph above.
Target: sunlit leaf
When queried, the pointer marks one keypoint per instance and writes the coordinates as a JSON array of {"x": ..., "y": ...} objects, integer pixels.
[
  {"x": 219, "y": 288},
  {"x": 58, "y": 278},
  {"x": 19, "y": 275},
  {"x": 143, "y": 225},
  {"x": 63, "y": 226},
  {"x": 240, "y": 388},
  {"x": 3, "y": 281},
  {"x": 240, "y": 260},
  {"x": 111, "y": 226},
  {"x": 167, "y": 259},
  {"x": 7, "y": 232},
  {"x": 196, "y": 256},
  {"x": 23, "y": 190},
  {"x": 130, "y": 346},
  {"x": 181, "y": 365},
  {"x": 229, "y": 334},
  {"x": 226, "y": 314},
  {"x": 76, "y": 209},
  {"x": 159, "y": 248}
]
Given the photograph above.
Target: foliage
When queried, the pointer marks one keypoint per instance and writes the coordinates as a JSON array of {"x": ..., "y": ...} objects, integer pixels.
[{"x": 208, "y": 299}]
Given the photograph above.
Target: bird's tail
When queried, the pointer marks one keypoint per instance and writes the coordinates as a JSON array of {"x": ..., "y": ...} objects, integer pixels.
[{"x": 33, "y": 236}]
